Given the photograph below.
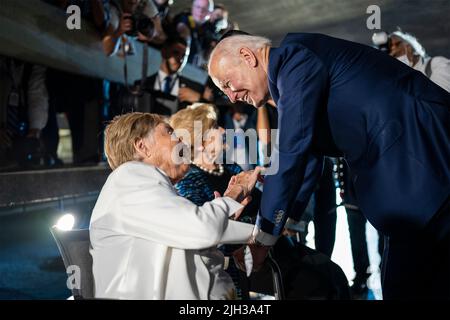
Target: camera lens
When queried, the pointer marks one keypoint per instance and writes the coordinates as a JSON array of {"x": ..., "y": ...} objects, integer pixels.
[{"x": 145, "y": 26}]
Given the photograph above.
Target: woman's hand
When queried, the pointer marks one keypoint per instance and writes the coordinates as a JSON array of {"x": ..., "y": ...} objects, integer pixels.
[
  {"x": 247, "y": 179},
  {"x": 236, "y": 193}
]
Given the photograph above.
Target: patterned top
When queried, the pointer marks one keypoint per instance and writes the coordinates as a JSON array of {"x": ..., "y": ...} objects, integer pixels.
[{"x": 199, "y": 186}]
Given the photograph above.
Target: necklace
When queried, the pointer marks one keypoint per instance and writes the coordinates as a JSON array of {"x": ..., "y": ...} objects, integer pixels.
[{"x": 215, "y": 172}]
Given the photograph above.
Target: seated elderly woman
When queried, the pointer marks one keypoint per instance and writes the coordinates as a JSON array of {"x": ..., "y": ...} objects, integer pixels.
[
  {"x": 147, "y": 241},
  {"x": 207, "y": 175}
]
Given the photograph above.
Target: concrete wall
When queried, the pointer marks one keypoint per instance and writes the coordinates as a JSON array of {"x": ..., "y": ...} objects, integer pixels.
[{"x": 36, "y": 32}]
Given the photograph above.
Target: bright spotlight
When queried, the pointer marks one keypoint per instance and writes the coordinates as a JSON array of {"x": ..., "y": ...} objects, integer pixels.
[{"x": 66, "y": 222}]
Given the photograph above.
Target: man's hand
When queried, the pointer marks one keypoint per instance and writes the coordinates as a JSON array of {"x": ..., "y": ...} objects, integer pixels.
[
  {"x": 189, "y": 95},
  {"x": 144, "y": 38},
  {"x": 125, "y": 24},
  {"x": 258, "y": 252}
]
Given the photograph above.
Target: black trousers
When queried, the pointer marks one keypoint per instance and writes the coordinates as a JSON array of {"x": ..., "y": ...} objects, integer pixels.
[
  {"x": 357, "y": 228},
  {"x": 325, "y": 210},
  {"x": 417, "y": 266}
]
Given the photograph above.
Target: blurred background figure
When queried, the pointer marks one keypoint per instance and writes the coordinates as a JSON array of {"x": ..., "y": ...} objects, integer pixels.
[
  {"x": 77, "y": 98},
  {"x": 168, "y": 90},
  {"x": 165, "y": 15},
  {"x": 406, "y": 48},
  {"x": 195, "y": 28},
  {"x": 242, "y": 118},
  {"x": 131, "y": 20},
  {"x": 24, "y": 105}
]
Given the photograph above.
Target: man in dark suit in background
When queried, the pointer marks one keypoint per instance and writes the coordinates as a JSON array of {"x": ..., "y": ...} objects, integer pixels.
[
  {"x": 169, "y": 91},
  {"x": 340, "y": 98}
]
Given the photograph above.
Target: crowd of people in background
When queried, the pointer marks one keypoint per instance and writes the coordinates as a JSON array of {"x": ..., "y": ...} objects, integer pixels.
[{"x": 37, "y": 100}]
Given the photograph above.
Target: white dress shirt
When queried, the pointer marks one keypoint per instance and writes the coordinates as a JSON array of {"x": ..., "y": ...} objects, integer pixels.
[
  {"x": 160, "y": 79},
  {"x": 150, "y": 243},
  {"x": 172, "y": 105}
]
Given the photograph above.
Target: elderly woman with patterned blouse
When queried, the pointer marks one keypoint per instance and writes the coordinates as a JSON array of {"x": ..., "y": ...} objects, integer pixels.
[{"x": 207, "y": 176}]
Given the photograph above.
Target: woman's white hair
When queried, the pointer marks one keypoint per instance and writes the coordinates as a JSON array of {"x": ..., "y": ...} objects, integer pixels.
[{"x": 230, "y": 45}]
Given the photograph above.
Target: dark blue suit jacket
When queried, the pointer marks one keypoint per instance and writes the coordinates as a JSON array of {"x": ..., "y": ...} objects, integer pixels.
[{"x": 392, "y": 124}]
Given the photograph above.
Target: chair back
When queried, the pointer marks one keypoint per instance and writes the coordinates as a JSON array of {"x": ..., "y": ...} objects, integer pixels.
[{"x": 74, "y": 248}]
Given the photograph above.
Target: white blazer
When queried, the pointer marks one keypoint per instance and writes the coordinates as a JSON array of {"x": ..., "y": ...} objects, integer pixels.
[{"x": 150, "y": 243}]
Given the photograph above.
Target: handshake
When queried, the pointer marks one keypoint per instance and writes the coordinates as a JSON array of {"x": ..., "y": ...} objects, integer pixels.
[
  {"x": 249, "y": 257},
  {"x": 241, "y": 186}
]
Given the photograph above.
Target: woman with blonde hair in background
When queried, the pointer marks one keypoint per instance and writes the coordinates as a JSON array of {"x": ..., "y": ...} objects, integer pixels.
[{"x": 207, "y": 175}]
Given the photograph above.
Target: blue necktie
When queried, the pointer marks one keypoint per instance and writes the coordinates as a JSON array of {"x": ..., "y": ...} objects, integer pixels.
[{"x": 167, "y": 83}]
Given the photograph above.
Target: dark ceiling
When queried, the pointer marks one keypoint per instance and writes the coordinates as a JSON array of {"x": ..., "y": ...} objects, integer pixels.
[{"x": 428, "y": 20}]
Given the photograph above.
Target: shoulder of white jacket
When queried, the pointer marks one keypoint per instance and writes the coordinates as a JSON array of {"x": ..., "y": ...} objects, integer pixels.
[{"x": 136, "y": 171}]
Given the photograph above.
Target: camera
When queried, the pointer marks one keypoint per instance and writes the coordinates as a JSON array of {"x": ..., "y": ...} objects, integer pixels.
[
  {"x": 141, "y": 22},
  {"x": 381, "y": 41}
]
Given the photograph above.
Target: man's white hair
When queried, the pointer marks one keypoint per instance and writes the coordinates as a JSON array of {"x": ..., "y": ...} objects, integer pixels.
[{"x": 230, "y": 45}]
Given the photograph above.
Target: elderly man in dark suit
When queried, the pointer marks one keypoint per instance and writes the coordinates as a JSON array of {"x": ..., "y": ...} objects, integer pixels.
[{"x": 392, "y": 125}]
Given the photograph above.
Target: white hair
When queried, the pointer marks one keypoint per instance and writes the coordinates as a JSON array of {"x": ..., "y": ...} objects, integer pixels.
[
  {"x": 419, "y": 50},
  {"x": 230, "y": 45}
]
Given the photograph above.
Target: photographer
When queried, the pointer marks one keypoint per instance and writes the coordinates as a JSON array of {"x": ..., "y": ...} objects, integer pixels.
[
  {"x": 135, "y": 19},
  {"x": 407, "y": 49},
  {"x": 193, "y": 26},
  {"x": 23, "y": 112},
  {"x": 169, "y": 91}
]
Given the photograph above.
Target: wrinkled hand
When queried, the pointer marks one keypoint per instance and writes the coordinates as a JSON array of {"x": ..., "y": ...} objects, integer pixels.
[
  {"x": 258, "y": 252},
  {"x": 247, "y": 179},
  {"x": 189, "y": 95}
]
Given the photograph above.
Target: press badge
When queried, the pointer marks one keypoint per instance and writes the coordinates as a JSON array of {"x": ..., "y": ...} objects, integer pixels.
[{"x": 14, "y": 99}]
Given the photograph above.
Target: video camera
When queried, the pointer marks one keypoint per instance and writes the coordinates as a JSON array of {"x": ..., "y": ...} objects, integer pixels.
[{"x": 140, "y": 21}]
